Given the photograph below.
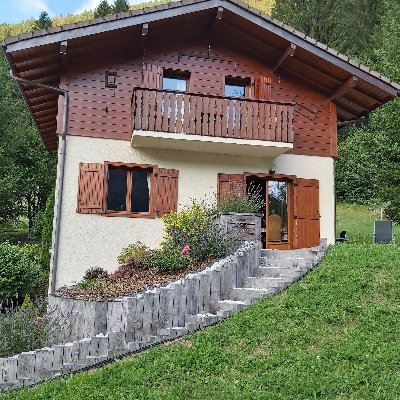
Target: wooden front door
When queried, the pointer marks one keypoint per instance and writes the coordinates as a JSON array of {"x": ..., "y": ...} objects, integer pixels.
[{"x": 291, "y": 217}]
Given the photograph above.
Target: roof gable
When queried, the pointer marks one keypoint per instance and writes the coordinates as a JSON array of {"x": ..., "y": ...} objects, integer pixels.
[{"x": 355, "y": 88}]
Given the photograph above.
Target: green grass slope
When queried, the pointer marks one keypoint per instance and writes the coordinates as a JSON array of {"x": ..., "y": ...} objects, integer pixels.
[
  {"x": 332, "y": 335},
  {"x": 358, "y": 221}
]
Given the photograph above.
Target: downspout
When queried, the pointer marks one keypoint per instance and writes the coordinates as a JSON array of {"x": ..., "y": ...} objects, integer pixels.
[{"x": 60, "y": 174}]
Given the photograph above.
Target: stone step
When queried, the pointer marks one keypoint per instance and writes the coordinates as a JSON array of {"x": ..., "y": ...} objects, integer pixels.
[
  {"x": 299, "y": 253},
  {"x": 288, "y": 262},
  {"x": 272, "y": 272},
  {"x": 227, "y": 305},
  {"x": 249, "y": 295},
  {"x": 274, "y": 284}
]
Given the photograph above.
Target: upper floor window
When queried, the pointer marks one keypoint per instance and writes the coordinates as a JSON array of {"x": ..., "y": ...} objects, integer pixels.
[
  {"x": 175, "y": 80},
  {"x": 128, "y": 189},
  {"x": 236, "y": 87}
]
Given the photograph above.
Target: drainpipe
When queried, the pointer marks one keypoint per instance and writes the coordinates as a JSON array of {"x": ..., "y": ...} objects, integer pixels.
[{"x": 60, "y": 174}]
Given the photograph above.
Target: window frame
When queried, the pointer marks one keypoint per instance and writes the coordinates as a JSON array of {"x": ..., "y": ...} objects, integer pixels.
[
  {"x": 246, "y": 80},
  {"x": 177, "y": 74},
  {"x": 128, "y": 194}
]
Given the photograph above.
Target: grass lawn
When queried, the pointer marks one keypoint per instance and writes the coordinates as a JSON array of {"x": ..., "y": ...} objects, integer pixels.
[
  {"x": 332, "y": 335},
  {"x": 358, "y": 221}
]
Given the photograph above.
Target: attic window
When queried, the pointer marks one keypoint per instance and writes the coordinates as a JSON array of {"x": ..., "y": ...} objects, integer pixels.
[{"x": 175, "y": 80}]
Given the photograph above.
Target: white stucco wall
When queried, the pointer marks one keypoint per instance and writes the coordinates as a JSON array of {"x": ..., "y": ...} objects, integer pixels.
[{"x": 96, "y": 241}]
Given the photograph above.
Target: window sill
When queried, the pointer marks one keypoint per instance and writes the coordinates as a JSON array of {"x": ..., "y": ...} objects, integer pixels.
[{"x": 129, "y": 215}]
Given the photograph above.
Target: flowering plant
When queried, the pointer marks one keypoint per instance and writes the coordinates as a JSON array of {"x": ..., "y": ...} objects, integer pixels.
[
  {"x": 195, "y": 231},
  {"x": 185, "y": 250}
]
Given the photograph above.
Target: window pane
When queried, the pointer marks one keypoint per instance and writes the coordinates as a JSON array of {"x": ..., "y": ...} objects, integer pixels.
[
  {"x": 140, "y": 190},
  {"x": 277, "y": 210},
  {"x": 174, "y": 83},
  {"x": 235, "y": 90},
  {"x": 116, "y": 196}
]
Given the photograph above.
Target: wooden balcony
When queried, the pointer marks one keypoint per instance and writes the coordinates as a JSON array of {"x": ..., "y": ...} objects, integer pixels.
[{"x": 174, "y": 120}]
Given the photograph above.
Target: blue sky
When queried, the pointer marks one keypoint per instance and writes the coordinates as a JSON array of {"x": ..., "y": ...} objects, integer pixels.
[{"x": 12, "y": 11}]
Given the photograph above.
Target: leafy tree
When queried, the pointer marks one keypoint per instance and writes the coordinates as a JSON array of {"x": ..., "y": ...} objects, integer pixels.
[
  {"x": 103, "y": 9},
  {"x": 43, "y": 22},
  {"x": 121, "y": 6},
  {"x": 350, "y": 26},
  {"x": 27, "y": 169}
]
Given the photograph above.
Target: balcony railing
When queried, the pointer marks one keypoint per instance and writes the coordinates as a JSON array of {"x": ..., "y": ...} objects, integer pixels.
[{"x": 217, "y": 116}]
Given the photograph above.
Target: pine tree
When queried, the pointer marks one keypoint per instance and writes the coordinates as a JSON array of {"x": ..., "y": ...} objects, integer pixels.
[
  {"x": 103, "y": 9},
  {"x": 121, "y": 6},
  {"x": 43, "y": 22}
]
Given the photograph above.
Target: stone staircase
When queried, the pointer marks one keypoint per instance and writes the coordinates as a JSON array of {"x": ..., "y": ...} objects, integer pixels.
[{"x": 276, "y": 270}]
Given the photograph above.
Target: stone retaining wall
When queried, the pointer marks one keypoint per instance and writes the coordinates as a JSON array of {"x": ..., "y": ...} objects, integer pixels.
[
  {"x": 96, "y": 331},
  {"x": 164, "y": 306}
]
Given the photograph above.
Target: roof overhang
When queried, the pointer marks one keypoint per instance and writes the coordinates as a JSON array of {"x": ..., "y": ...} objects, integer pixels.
[{"x": 355, "y": 88}]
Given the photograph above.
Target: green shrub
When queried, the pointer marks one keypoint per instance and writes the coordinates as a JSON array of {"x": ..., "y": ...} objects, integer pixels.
[
  {"x": 18, "y": 273},
  {"x": 392, "y": 210},
  {"x": 169, "y": 258},
  {"x": 95, "y": 273},
  {"x": 250, "y": 202},
  {"x": 23, "y": 329},
  {"x": 135, "y": 254},
  {"x": 86, "y": 283},
  {"x": 37, "y": 227},
  {"x": 196, "y": 228},
  {"x": 47, "y": 235}
]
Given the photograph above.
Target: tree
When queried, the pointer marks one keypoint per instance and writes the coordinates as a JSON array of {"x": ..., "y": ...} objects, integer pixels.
[
  {"x": 27, "y": 169},
  {"x": 350, "y": 26},
  {"x": 121, "y": 6},
  {"x": 43, "y": 22},
  {"x": 103, "y": 9}
]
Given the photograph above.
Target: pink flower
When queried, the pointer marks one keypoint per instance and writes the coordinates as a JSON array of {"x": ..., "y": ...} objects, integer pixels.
[
  {"x": 185, "y": 250},
  {"x": 39, "y": 320}
]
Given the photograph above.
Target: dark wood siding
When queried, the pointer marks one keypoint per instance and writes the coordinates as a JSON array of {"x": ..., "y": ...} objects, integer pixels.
[{"x": 105, "y": 112}]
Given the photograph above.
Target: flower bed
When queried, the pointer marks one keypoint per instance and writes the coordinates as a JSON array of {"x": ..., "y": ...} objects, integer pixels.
[{"x": 139, "y": 280}]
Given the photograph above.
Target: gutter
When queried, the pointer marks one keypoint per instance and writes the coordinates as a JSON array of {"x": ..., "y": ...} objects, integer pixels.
[{"x": 60, "y": 172}]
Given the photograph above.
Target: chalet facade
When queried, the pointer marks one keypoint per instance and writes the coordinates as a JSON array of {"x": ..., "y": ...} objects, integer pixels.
[{"x": 153, "y": 108}]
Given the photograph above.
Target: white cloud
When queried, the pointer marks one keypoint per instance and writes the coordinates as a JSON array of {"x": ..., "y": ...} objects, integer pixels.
[
  {"x": 87, "y": 5},
  {"x": 32, "y": 6}
]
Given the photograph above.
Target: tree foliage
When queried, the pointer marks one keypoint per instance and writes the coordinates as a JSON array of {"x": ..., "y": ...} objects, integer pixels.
[
  {"x": 44, "y": 21},
  {"x": 120, "y": 6},
  {"x": 103, "y": 9},
  {"x": 27, "y": 169}
]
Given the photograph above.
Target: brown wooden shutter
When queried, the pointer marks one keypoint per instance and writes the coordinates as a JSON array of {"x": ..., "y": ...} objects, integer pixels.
[
  {"x": 230, "y": 184},
  {"x": 152, "y": 76},
  {"x": 91, "y": 188},
  {"x": 262, "y": 88},
  {"x": 306, "y": 213},
  {"x": 165, "y": 191}
]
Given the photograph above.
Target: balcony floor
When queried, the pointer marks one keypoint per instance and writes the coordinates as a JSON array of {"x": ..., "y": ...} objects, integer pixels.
[{"x": 209, "y": 144}]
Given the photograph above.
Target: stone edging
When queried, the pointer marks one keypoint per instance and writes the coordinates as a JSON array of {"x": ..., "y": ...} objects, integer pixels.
[{"x": 97, "y": 331}]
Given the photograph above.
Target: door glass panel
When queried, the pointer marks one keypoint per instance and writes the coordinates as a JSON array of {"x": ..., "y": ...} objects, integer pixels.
[
  {"x": 277, "y": 211},
  {"x": 116, "y": 195},
  {"x": 140, "y": 190}
]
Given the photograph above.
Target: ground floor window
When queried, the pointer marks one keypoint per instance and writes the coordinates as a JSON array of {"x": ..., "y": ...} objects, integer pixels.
[{"x": 128, "y": 189}]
